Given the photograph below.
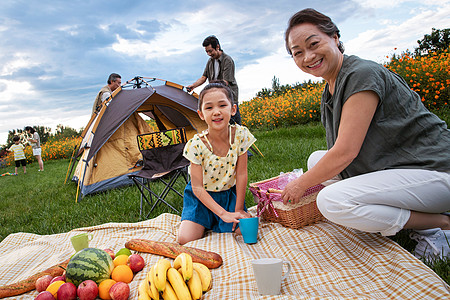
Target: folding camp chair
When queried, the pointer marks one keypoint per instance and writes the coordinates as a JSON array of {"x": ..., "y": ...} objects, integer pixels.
[{"x": 162, "y": 152}]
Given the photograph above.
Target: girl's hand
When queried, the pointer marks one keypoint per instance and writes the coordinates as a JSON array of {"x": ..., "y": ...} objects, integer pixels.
[
  {"x": 293, "y": 192},
  {"x": 233, "y": 217},
  {"x": 244, "y": 214}
]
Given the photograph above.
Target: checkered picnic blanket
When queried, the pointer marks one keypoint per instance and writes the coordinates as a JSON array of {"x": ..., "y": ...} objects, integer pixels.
[{"x": 328, "y": 261}]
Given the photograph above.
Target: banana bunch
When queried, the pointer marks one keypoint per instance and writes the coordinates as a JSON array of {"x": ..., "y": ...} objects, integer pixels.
[{"x": 184, "y": 280}]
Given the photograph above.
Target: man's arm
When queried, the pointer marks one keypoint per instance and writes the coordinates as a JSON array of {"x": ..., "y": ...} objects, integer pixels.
[{"x": 199, "y": 82}]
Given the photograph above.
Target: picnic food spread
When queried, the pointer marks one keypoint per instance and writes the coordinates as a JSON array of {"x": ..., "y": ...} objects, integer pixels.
[
  {"x": 328, "y": 261},
  {"x": 172, "y": 250},
  {"x": 184, "y": 280},
  {"x": 93, "y": 272}
]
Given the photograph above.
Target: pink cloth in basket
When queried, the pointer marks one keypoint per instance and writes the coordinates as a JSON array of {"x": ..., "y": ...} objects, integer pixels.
[{"x": 265, "y": 198}]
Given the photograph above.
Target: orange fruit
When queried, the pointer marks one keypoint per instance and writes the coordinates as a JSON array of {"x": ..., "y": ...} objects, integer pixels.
[
  {"x": 103, "y": 288},
  {"x": 120, "y": 260},
  {"x": 54, "y": 286},
  {"x": 122, "y": 273}
]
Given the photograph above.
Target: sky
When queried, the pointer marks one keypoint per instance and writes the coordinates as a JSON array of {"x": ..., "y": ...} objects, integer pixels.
[{"x": 56, "y": 55}]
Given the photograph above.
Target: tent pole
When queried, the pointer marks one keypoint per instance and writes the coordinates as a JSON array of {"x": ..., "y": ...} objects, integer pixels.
[
  {"x": 80, "y": 182},
  {"x": 256, "y": 149},
  {"x": 78, "y": 188},
  {"x": 70, "y": 164}
]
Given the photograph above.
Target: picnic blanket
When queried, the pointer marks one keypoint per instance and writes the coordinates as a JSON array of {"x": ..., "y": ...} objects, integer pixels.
[{"x": 328, "y": 261}]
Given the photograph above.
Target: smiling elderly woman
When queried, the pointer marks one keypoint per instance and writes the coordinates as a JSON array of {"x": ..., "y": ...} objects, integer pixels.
[{"x": 388, "y": 155}]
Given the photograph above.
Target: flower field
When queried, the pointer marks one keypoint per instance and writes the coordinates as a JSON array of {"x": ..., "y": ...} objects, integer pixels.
[
  {"x": 296, "y": 106},
  {"x": 428, "y": 75}
]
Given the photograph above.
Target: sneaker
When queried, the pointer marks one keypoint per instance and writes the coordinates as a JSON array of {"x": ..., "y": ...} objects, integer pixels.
[{"x": 431, "y": 243}]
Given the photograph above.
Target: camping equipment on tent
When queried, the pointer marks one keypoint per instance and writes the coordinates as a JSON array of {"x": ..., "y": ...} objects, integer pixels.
[{"x": 108, "y": 152}]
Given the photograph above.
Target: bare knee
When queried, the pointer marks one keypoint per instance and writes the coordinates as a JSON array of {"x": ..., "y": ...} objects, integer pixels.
[{"x": 189, "y": 231}]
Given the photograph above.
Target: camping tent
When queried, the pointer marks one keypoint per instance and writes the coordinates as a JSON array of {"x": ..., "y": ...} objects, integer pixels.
[{"x": 108, "y": 152}]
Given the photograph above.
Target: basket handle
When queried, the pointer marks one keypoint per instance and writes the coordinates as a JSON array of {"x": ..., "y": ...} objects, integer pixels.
[{"x": 275, "y": 191}]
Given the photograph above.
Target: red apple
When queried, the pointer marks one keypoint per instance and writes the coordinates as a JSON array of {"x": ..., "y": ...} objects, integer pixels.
[
  {"x": 136, "y": 262},
  {"x": 58, "y": 278},
  {"x": 43, "y": 282},
  {"x": 67, "y": 291},
  {"x": 45, "y": 295},
  {"x": 87, "y": 290},
  {"x": 119, "y": 291},
  {"x": 110, "y": 252}
]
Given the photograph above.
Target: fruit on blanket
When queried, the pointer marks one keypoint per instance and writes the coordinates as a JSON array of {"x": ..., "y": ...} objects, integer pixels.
[
  {"x": 53, "y": 287},
  {"x": 123, "y": 251},
  {"x": 153, "y": 291},
  {"x": 87, "y": 290},
  {"x": 160, "y": 274},
  {"x": 104, "y": 287},
  {"x": 199, "y": 283},
  {"x": 195, "y": 286},
  {"x": 210, "y": 259},
  {"x": 143, "y": 289},
  {"x": 205, "y": 276},
  {"x": 119, "y": 291},
  {"x": 122, "y": 273},
  {"x": 179, "y": 286},
  {"x": 120, "y": 260},
  {"x": 89, "y": 264},
  {"x": 58, "y": 278},
  {"x": 184, "y": 261},
  {"x": 45, "y": 295},
  {"x": 67, "y": 291},
  {"x": 169, "y": 293},
  {"x": 136, "y": 262},
  {"x": 43, "y": 282},
  {"x": 110, "y": 252}
]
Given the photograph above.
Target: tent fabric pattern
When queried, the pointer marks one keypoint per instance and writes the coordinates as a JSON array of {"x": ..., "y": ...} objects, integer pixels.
[{"x": 109, "y": 152}]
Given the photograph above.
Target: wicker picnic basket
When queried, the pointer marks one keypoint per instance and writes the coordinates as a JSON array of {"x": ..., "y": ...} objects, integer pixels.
[{"x": 271, "y": 208}]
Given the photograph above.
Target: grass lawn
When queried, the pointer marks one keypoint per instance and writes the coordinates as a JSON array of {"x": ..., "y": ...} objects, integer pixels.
[{"x": 40, "y": 203}]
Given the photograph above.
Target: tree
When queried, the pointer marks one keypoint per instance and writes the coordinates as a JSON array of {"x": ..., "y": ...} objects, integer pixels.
[
  {"x": 63, "y": 132},
  {"x": 437, "y": 41},
  {"x": 277, "y": 89}
]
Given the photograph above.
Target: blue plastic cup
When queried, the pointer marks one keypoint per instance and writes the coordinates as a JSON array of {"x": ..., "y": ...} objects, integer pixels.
[{"x": 249, "y": 229}]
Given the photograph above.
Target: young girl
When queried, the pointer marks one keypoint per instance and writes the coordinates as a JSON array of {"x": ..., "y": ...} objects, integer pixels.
[{"x": 214, "y": 198}]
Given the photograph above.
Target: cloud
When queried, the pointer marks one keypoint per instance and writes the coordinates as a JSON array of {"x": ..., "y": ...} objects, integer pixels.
[{"x": 376, "y": 44}]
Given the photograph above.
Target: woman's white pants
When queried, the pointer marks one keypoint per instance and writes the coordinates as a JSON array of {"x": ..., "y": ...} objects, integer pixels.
[{"x": 381, "y": 201}]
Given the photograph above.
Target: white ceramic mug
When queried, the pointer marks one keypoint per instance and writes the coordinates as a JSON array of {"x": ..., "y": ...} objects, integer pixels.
[{"x": 269, "y": 274}]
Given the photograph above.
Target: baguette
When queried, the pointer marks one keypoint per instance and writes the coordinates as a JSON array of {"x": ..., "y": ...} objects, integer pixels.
[
  {"x": 29, "y": 284},
  {"x": 210, "y": 259}
]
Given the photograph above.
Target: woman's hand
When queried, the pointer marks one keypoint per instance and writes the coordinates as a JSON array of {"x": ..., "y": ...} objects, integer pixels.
[{"x": 293, "y": 191}]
